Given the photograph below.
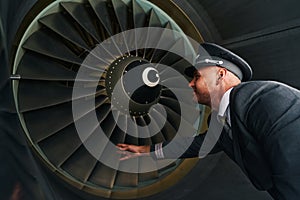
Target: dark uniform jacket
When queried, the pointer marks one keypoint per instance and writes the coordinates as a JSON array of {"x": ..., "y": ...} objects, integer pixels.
[{"x": 265, "y": 122}]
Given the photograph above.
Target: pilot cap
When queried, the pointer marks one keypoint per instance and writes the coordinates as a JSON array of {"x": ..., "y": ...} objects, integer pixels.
[{"x": 210, "y": 54}]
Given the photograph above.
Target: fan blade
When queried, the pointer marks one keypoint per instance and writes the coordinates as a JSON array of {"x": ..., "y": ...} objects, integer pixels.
[
  {"x": 180, "y": 92},
  {"x": 43, "y": 94},
  {"x": 103, "y": 111},
  {"x": 39, "y": 68},
  {"x": 58, "y": 23},
  {"x": 125, "y": 179},
  {"x": 131, "y": 137},
  {"x": 179, "y": 122},
  {"x": 101, "y": 10},
  {"x": 60, "y": 146},
  {"x": 169, "y": 58},
  {"x": 169, "y": 129},
  {"x": 46, "y": 94},
  {"x": 119, "y": 133},
  {"x": 106, "y": 52},
  {"x": 80, "y": 164},
  {"x": 156, "y": 20},
  {"x": 83, "y": 16},
  {"x": 166, "y": 41},
  {"x": 121, "y": 9},
  {"x": 145, "y": 140},
  {"x": 176, "y": 82},
  {"x": 139, "y": 20},
  {"x": 182, "y": 106},
  {"x": 147, "y": 176},
  {"x": 39, "y": 42},
  {"x": 109, "y": 123},
  {"x": 103, "y": 176},
  {"x": 153, "y": 126},
  {"x": 181, "y": 65},
  {"x": 171, "y": 103},
  {"x": 97, "y": 60},
  {"x": 139, "y": 14},
  {"x": 59, "y": 116}
]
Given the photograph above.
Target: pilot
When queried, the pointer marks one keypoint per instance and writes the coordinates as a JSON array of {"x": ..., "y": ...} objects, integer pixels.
[{"x": 260, "y": 122}]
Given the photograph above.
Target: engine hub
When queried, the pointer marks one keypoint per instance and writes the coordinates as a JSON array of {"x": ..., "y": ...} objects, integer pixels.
[{"x": 133, "y": 85}]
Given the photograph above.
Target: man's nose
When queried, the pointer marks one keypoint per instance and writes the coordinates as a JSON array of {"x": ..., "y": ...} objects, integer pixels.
[{"x": 192, "y": 83}]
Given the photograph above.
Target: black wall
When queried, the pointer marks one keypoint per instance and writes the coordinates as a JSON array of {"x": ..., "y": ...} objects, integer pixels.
[{"x": 264, "y": 32}]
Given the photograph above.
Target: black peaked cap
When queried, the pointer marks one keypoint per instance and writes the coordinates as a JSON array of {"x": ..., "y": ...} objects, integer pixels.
[{"x": 210, "y": 54}]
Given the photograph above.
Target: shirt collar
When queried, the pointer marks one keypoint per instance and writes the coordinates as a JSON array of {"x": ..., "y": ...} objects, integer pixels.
[{"x": 224, "y": 103}]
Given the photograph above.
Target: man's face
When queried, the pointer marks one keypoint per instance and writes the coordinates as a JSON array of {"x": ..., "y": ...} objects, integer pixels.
[{"x": 204, "y": 85}]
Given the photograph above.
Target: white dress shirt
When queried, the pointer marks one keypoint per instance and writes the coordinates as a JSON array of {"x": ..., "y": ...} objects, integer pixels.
[{"x": 224, "y": 109}]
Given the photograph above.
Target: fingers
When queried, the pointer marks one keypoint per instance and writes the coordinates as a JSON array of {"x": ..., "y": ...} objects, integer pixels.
[
  {"x": 128, "y": 156},
  {"x": 132, "y": 151},
  {"x": 125, "y": 155},
  {"x": 127, "y": 151},
  {"x": 128, "y": 147},
  {"x": 123, "y": 147}
]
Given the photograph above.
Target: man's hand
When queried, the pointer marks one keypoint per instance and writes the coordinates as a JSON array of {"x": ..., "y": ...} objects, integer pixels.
[{"x": 131, "y": 151}]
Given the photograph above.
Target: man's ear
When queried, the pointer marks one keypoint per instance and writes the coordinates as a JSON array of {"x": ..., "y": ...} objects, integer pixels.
[{"x": 221, "y": 74}]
